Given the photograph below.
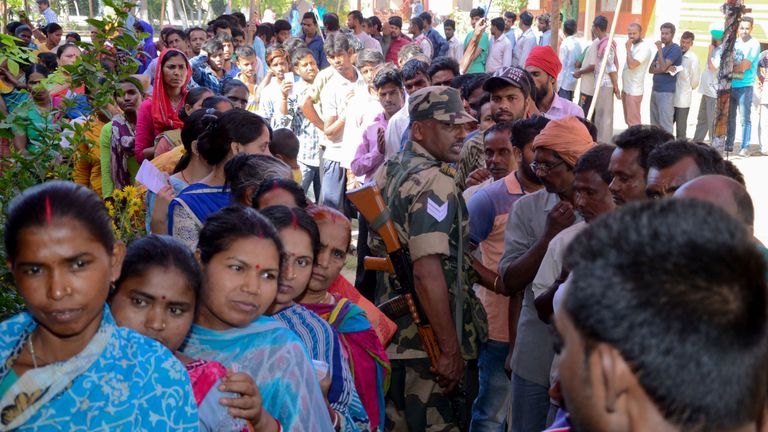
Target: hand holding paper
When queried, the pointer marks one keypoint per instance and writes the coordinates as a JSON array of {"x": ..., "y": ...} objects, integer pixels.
[{"x": 151, "y": 177}]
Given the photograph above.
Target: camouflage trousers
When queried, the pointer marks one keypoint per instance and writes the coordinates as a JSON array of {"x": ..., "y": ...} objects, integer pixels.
[{"x": 415, "y": 402}]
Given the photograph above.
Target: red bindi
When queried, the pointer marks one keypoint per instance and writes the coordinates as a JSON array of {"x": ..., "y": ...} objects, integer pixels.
[
  {"x": 162, "y": 297},
  {"x": 48, "y": 210},
  {"x": 258, "y": 267}
]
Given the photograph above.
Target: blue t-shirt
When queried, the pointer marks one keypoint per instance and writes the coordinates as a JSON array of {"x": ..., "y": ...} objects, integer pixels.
[
  {"x": 749, "y": 50},
  {"x": 664, "y": 82}
]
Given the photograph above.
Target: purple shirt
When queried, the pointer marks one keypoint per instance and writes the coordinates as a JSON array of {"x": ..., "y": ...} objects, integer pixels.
[
  {"x": 367, "y": 157},
  {"x": 563, "y": 108}
]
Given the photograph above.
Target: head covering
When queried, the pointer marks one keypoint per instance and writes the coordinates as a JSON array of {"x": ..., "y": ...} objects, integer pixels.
[
  {"x": 716, "y": 30},
  {"x": 440, "y": 103},
  {"x": 510, "y": 75},
  {"x": 164, "y": 115},
  {"x": 149, "y": 45},
  {"x": 545, "y": 58},
  {"x": 568, "y": 137}
]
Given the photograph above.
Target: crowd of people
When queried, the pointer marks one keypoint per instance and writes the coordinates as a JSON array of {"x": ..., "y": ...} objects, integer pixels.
[{"x": 573, "y": 278}]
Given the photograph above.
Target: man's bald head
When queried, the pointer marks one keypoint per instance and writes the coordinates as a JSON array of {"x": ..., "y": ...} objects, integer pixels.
[{"x": 723, "y": 192}]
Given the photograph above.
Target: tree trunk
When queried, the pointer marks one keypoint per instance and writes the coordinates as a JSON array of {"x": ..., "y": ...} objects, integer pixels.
[
  {"x": 733, "y": 12},
  {"x": 555, "y": 25},
  {"x": 90, "y": 8}
]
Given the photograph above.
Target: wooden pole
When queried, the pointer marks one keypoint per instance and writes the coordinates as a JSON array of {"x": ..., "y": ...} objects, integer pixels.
[
  {"x": 90, "y": 8},
  {"x": 554, "y": 40},
  {"x": 589, "y": 11},
  {"x": 162, "y": 12},
  {"x": 605, "y": 60}
]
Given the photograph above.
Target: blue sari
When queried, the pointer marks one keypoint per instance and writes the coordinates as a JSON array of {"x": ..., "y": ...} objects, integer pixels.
[
  {"x": 279, "y": 364},
  {"x": 188, "y": 211},
  {"x": 323, "y": 344},
  {"x": 120, "y": 381}
]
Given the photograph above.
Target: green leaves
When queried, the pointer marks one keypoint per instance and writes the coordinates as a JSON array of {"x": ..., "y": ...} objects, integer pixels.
[{"x": 99, "y": 70}]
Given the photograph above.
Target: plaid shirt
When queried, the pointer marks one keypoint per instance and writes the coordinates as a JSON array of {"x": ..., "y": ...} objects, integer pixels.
[{"x": 309, "y": 136}]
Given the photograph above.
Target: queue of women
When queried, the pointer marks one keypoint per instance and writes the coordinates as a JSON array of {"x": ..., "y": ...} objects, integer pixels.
[{"x": 231, "y": 315}]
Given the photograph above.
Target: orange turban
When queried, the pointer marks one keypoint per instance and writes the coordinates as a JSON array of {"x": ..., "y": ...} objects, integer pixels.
[{"x": 568, "y": 137}]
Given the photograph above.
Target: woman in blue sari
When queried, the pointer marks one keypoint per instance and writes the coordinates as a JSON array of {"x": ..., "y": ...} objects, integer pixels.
[
  {"x": 65, "y": 363},
  {"x": 301, "y": 241},
  {"x": 225, "y": 136},
  {"x": 240, "y": 253}
]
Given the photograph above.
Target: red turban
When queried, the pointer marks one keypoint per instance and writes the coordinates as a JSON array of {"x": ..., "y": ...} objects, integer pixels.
[{"x": 545, "y": 58}]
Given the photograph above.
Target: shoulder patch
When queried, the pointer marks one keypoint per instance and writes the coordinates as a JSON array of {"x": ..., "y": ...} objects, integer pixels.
[
  {"x": 437, "y": 211},
  {"x": 448, "y": 170}
]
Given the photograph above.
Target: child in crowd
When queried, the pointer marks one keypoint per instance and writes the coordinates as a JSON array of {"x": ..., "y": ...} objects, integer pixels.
[
  {"x": 285, "y": 146},
  {"x": 156, "y": 296},
  {"x": 251, "y": 72}
]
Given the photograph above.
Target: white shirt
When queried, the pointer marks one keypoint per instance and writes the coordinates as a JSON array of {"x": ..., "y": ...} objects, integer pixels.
[
  {"x": 687, "y": 80},
  {"x": 709, "y": 83},
  {"x": 50, "y": 16},
  {"x": 368, "y": 41},
  {"x": 633, "y": 80},
  {"x": 570, "y": 50},
  {"x": 499, "y": 54},
  {"x": 610, "y": 65},
  {"x": 588, "y": 79},
  {"x": 455, "y": 49},
  {"x": 524, "y": 45},
  {"x": 425, "y": 44},
  {"x": 334, "y": 100},
  {"x": 396, "y": 127}
]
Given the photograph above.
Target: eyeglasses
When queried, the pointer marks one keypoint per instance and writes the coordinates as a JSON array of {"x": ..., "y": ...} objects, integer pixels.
[{"x": 544, "y": 169}]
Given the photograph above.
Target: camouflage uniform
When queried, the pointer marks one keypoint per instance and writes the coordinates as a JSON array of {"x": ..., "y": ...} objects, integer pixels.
[
  {"x": 472, "y": 158},
  {"x": 430, "y": 215}
]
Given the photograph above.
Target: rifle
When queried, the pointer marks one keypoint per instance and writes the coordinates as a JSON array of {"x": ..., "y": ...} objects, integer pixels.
[{"x": 370, "y": 203}]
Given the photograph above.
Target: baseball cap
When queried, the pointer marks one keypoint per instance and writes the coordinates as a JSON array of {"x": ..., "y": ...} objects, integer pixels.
[
  {"x": 443, "y": 104},
  {"x": 510, "y": 75}
]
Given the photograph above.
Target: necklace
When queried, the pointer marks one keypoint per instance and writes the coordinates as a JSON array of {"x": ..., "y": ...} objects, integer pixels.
[
  {"x": 32, "y": 351},
  {"x": 183, "y": 177}
]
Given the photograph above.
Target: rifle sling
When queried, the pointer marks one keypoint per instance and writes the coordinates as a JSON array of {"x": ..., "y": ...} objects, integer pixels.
[
  {"x": 459, "y": 300},
  {"x": 380, "y": 220}
]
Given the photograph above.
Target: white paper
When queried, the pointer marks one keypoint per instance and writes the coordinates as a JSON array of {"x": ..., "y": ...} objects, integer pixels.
[{"x": 151, "y": 177}]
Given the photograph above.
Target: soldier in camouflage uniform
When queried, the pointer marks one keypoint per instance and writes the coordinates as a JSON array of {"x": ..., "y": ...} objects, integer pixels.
[{"x": 430, "y": 215}]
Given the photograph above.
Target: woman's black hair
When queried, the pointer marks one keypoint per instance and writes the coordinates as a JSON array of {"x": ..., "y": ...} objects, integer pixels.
[
  {"x": 246, "y": 172},
  {"x": 234, "y": 223},
  {"x": 35, "y": 68},
  {"x": 193, "y": 96},
  {"x": 233, "y": 126},
  {"x": 211, "y": 101},
  {"x": 285, "y": 217},
  {"x": 193, "y": 127},
  {"x": 159, "y": 251},
  {"x": 49, "y": 60},
  {"x": 232, "y": 84},
  {"x": 47, "y": 203},
  {"x": 51, "y": 28},
  {"x": 134, "y": 82},
  {"x": 63, "y": 48},
  {"x": 171, "y": 53},
  {"x": 74, "y": 35},
  {"x": 289, "y": 185}
]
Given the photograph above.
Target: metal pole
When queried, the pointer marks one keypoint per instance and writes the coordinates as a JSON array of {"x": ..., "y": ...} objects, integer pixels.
[{"x": 605, "y": 60}]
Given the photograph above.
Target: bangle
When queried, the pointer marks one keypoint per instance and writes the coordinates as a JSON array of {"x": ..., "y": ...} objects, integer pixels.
[
  {"x": 279, "y": 426},
  {"x": 335, "y": 420},
  {"x": 495, "y": 283}
]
